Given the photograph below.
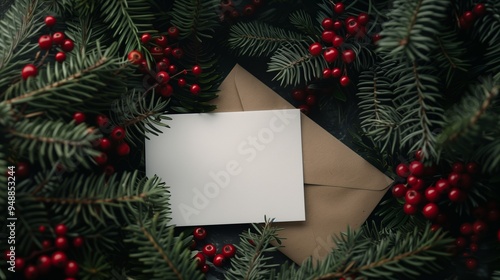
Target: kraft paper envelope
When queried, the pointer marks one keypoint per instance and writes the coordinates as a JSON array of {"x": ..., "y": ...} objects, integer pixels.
[{"x": 341, "y": 188}]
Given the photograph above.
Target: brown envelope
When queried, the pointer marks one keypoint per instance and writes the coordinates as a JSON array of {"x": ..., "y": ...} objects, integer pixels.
[{"x": 341, "y": 188}]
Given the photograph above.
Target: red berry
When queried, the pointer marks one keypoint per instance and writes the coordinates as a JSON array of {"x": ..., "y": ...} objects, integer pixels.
[
  {"x": 466, "y": 229},
  {"x": 61, "y": 229},
  {"x": 105, "y": 144},
  {"x": 200, "y": 259},
  {"x": 71, "y": 269},
  {"x": 472, "y": 168},
  {"x": 419, "y": 155},
  {"x": 172, "y": 69},
  {"x": 337, "y": 41},
  {"x": 299, "y": 94},
  {"x": 304, "y": 109},
  {"x": 257, "y": 2},
  {"x": 493, "y": 215},
  {"x": 199, "y": 233},
  {"x": 46, "y": 244},
  {"x": 473, "y": 247},
  {"x": 248, "y": 10},
  {"x": 460, "y": 242},
  {"x": 161, "y": 66},
  {"x": 344, "y": 81},
  {"x": 352, "y": 27},
  {"x": 458, "y": 167},
  {"x": 432, "y": 194},
  {"x": 209, "y": 250},
  {"x": 498, "y": 235},
  {"x": 61, "y": 243},
  {"x": 339, "y": 8},
  {"x": 219, "y": 260},
  {"x": 109, "y": 170},
  {"x": 45, "y": 42},
  {"x": 327, "y": 36},
  {"x": 348, "y": 56},
  {"x": 471, "y": 263},
  {"x": 442, "y": 185},
  {"x": 50, "y": 21},
  {"x": 327, "y": 73},
  {"x": 166, "y": 91},
  {"x": 42, "y": 229},
  {"x": 416, "y": 168},
  {"x": 205, "y": 268},
  {"x": 145, "y": 38},
  {"x": 330, "y": 55},
  {"x": 162, "y": 77},
  {"x": 337, "y": 25},
  {"x": 134, "y": 57},
  {"x": 29, "y": 70},
  {"x": 181, "y": 82},
  {"x": 402, "y": 170},
  {"x": 413, "y": 197},
  {"x": 479, "y": 9},
  {"x": 469, "y": 16},
  {"x": 59, "y": 259},
  {"x": 435, "y": 227},
  {"x": 399, "y": 190},
  {"x": 376, "y": 38},
  {"x": 101, "y": 159},
  {"x": 22, "y": 169},
  {"x": 156, "y": 52},
  {"x": 419, "y": 184},
  {"x": 336, "y": 72},
  {"x": 173, "y": 32},
  {"x": 20, "y": 263},
  {"x": 327, "y": 24},
  {"x": 44, "y": 264},
  {"x": 78, "y": 242},
  {"x": 410, "y": 209},
  {"x": 479, "y": 227},
  {"x": 430, "y": 210},
  {"x": 454, "y": 179},
  {"x": 118, "y": 133},
  {"x": 123, "y": 149},
  {"x": 161, "y": 41},
  {"x": 177, "y": 53},
  {"x": 311, "y": 100},
  {"x": 58, "y": 38},
  {"x": 228, "y": 251},
  {"x": 60, "y": 57},
  {"x": 68, "y": 45},
  {"x": 195, "y": 89},
  {"x": 79, "y": 117},
  {"x": 30, "y": 272},
  {"x": 196, "y": 70},
  {"x": 456, "y": 195},
  {"x": 363, "y": 18},
  {"x": 315, "y": 49}
]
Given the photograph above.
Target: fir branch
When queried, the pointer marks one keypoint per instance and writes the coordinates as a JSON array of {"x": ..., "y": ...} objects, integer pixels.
[
  {"x": 19, "y": 24},
  {"x": 260, "y": 39},
  {"x": 129, "y": 19},
  {"x": 450, "y": 55},
  {"x": 140, "y": 115},
  {"x": 486, "y": 27},
  {"x": 295, "y": 64},
  {"x": 409, "y": 32},
  {"x": 88, "y": 32},
  {"x": 251, "y": 257},
  {"x": 48, "y": 142},
  {"x": 158, "y": 253},
  {"x": 303, "y": 22},
  {"x": 195, "y": 18},
  {"x": 96, "y": 200}
]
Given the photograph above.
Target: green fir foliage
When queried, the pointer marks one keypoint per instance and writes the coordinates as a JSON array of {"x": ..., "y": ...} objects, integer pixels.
[{"x": 195, "y": 18}]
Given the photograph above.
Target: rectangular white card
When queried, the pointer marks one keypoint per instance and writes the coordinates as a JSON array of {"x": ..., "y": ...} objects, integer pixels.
[{"x": 231, "y": 167}]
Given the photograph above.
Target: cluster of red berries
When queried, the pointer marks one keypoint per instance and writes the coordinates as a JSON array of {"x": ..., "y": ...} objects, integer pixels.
[
  {"x": 435, "y": 195},
  {"x": 47, "y": 42},
  {"x": 166, "y": 51},
  {"x": 307, "y": 99},
  {"x": 208, "y": 253},
  {"x": 467, "y": 19},
  {"x": 228, "y": 10},
  {"x": 332, "y": 46},
  {"x": 52, "y": 258},
  {"x": 112, "y": 144}
]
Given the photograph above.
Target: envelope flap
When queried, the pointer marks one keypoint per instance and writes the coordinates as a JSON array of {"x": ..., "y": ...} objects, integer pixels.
[{"x": 327, "y": 161}]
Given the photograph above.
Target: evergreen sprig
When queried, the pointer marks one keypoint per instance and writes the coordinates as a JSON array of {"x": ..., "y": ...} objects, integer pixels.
[
  {"x": 252, "y": 254},
  {"x": 195, "y": 18},
  {"x": 451, "y": 56},
  {"x": 409, "y": 32},
  {"x": 303, "y": 22},
  {"x": 156, "y": 253},
  {"x": 50, "y": 142},
  {"x": 19, "y": 24},
  {"x": 294, "y": 64},
  {"x": 261, "y": 39},
  {"x": 376, "y": 254},
  {"x": 488, "y": 24},
  {"x": 95, "y": 199},
  {"x": 140, "y": 114}
]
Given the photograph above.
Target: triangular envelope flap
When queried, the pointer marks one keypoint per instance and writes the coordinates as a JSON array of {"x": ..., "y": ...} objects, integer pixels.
[
  {"x": 228, "y": 99},
  {"x": 327, "y": 161}
]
